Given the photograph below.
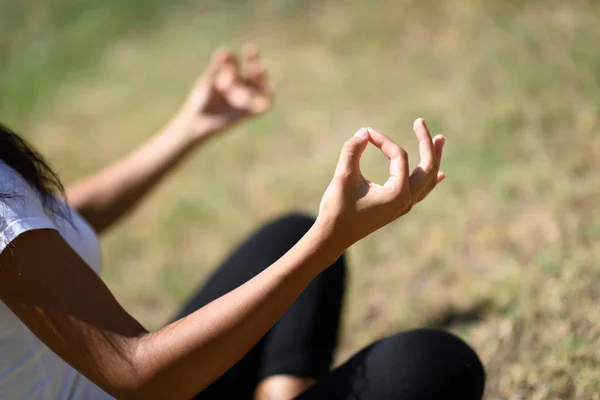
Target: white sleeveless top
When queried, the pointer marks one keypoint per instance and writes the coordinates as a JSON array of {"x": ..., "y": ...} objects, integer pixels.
[{"x": 28, "y": 369}]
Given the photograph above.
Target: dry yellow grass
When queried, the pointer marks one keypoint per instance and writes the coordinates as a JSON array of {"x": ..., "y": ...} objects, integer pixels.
[{"x": 513, "y": 233}]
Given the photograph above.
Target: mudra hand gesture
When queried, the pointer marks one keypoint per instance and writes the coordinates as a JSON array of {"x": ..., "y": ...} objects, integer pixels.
[
  {"x": 353, "y": 207},
  {"x": 230, "y": 90}
]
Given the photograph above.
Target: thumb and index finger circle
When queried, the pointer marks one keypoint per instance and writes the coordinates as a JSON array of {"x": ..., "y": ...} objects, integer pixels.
[
  {"x": 397, "y": 156},
  {"x": 353, "y": 149},
  {"x": 349, "y": 162}
]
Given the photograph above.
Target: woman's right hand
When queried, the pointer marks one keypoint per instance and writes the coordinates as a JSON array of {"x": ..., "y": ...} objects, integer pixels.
[{"x": 353, "y": 207}]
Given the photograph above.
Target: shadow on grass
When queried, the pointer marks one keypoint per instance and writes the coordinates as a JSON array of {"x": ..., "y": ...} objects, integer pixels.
[{"x": 453, "y": 317}]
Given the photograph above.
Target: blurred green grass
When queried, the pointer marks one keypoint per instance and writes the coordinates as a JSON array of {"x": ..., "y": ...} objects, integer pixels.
[{"x": 515, "y": 87}]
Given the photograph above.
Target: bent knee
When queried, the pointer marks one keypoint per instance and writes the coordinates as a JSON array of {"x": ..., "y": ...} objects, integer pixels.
[
  {"x": 289, "y": 228},
  {"x": 442, "y": 359}
]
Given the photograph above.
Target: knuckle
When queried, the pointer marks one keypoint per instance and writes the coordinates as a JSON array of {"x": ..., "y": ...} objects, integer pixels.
[
  {"x": 350, "y": 142},
  {"x": 393, "y": 149},
  {"x": 349, "y": 145},
  {"x": 343, "y": 175},
  {"x": 402, "y": 153},
  {"x": 428, "y": 168}
]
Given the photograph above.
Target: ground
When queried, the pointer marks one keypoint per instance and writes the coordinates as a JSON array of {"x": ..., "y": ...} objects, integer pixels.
[{"x": 506, "y": 251}]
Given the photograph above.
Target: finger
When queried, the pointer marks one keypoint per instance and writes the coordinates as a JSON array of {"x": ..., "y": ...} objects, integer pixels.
[
  {"x": 423, "y": 175},
  {"x": 387, "y": 146},
  {"x": 233, "y": 63},
  {"x": 251, "y": 60},
  {"x": 250, "y": 52},
  {"x": 438, "y": 143},
  {"x": 440, "y": 177},
  {"x": 256, "y": 76},
  {"x": 397, "y": 156},
  {"x": 254, "y": 72},
  {"x": 349, "y": 162},
  {"x": 228, "y": 73},
  {"x": 241, "y": 97},
  {"x": 398, "y": 173},
  {"x": 217, "y": 59},
  {"x": 259, "y": 104},
  {"x": 438, "y": 147},
  {"x": 425, "y": 144}
]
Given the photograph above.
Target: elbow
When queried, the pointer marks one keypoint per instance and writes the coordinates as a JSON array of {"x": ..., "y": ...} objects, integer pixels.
[
  {"x": 149, "y": 391},
  {"x": 147, "y": 375},
  {"x": 145, "y": 380},
  {"x": 136, "y": 390},
  {"x": 132, "y": 377},
  {"x": 129, "y": 388}
]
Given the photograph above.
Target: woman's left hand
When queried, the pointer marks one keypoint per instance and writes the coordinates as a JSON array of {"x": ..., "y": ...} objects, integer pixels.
[{"x": 229, "y": 91}]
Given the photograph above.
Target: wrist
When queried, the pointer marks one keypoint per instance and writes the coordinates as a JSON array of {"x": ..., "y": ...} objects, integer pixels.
[
  {"x": 189, "y": 128},
  {"x": 324, "y": 237}
]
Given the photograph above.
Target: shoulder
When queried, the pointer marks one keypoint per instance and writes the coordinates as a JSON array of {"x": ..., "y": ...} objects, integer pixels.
[
  {"x": 21, "y": 207},
  {"x": 13, "y": 185}
]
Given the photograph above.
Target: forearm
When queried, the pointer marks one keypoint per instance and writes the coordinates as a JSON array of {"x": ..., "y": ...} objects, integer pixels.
[
  {"x": 68, "y": 307},
  {"x": 211, "y": 340},
  {"x": 102, "y": 198}
]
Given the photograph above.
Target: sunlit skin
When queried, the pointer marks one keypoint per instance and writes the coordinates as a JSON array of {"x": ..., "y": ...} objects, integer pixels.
[
  {"x": 72, "y": 311},
  {"x": 229, "y": 91}
]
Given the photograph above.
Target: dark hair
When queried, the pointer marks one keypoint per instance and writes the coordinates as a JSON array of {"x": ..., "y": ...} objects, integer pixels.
[{"x": 24, "y": 159}]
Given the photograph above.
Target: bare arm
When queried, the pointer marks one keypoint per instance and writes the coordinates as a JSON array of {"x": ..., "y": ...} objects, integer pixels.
[
  {"x": 70, "y": 309},
  {"x": 222, "y": 97},
  {"x": 106, "y": 196}
]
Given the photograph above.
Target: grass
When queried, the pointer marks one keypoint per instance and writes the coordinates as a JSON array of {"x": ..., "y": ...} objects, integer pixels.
[{"x": 512, "y": 236}]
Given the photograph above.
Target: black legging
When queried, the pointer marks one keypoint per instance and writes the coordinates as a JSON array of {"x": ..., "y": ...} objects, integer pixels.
[{"x": 420, "y": 364}]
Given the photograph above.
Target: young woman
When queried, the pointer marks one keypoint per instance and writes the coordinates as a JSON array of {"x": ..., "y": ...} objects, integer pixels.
[{"x": 264, "y": 325}]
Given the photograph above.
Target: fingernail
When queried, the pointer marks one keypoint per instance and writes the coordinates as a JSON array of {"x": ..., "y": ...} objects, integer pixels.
[
  {"x": 362, "y": 132},
  {"x": 418, "y": 122}
]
